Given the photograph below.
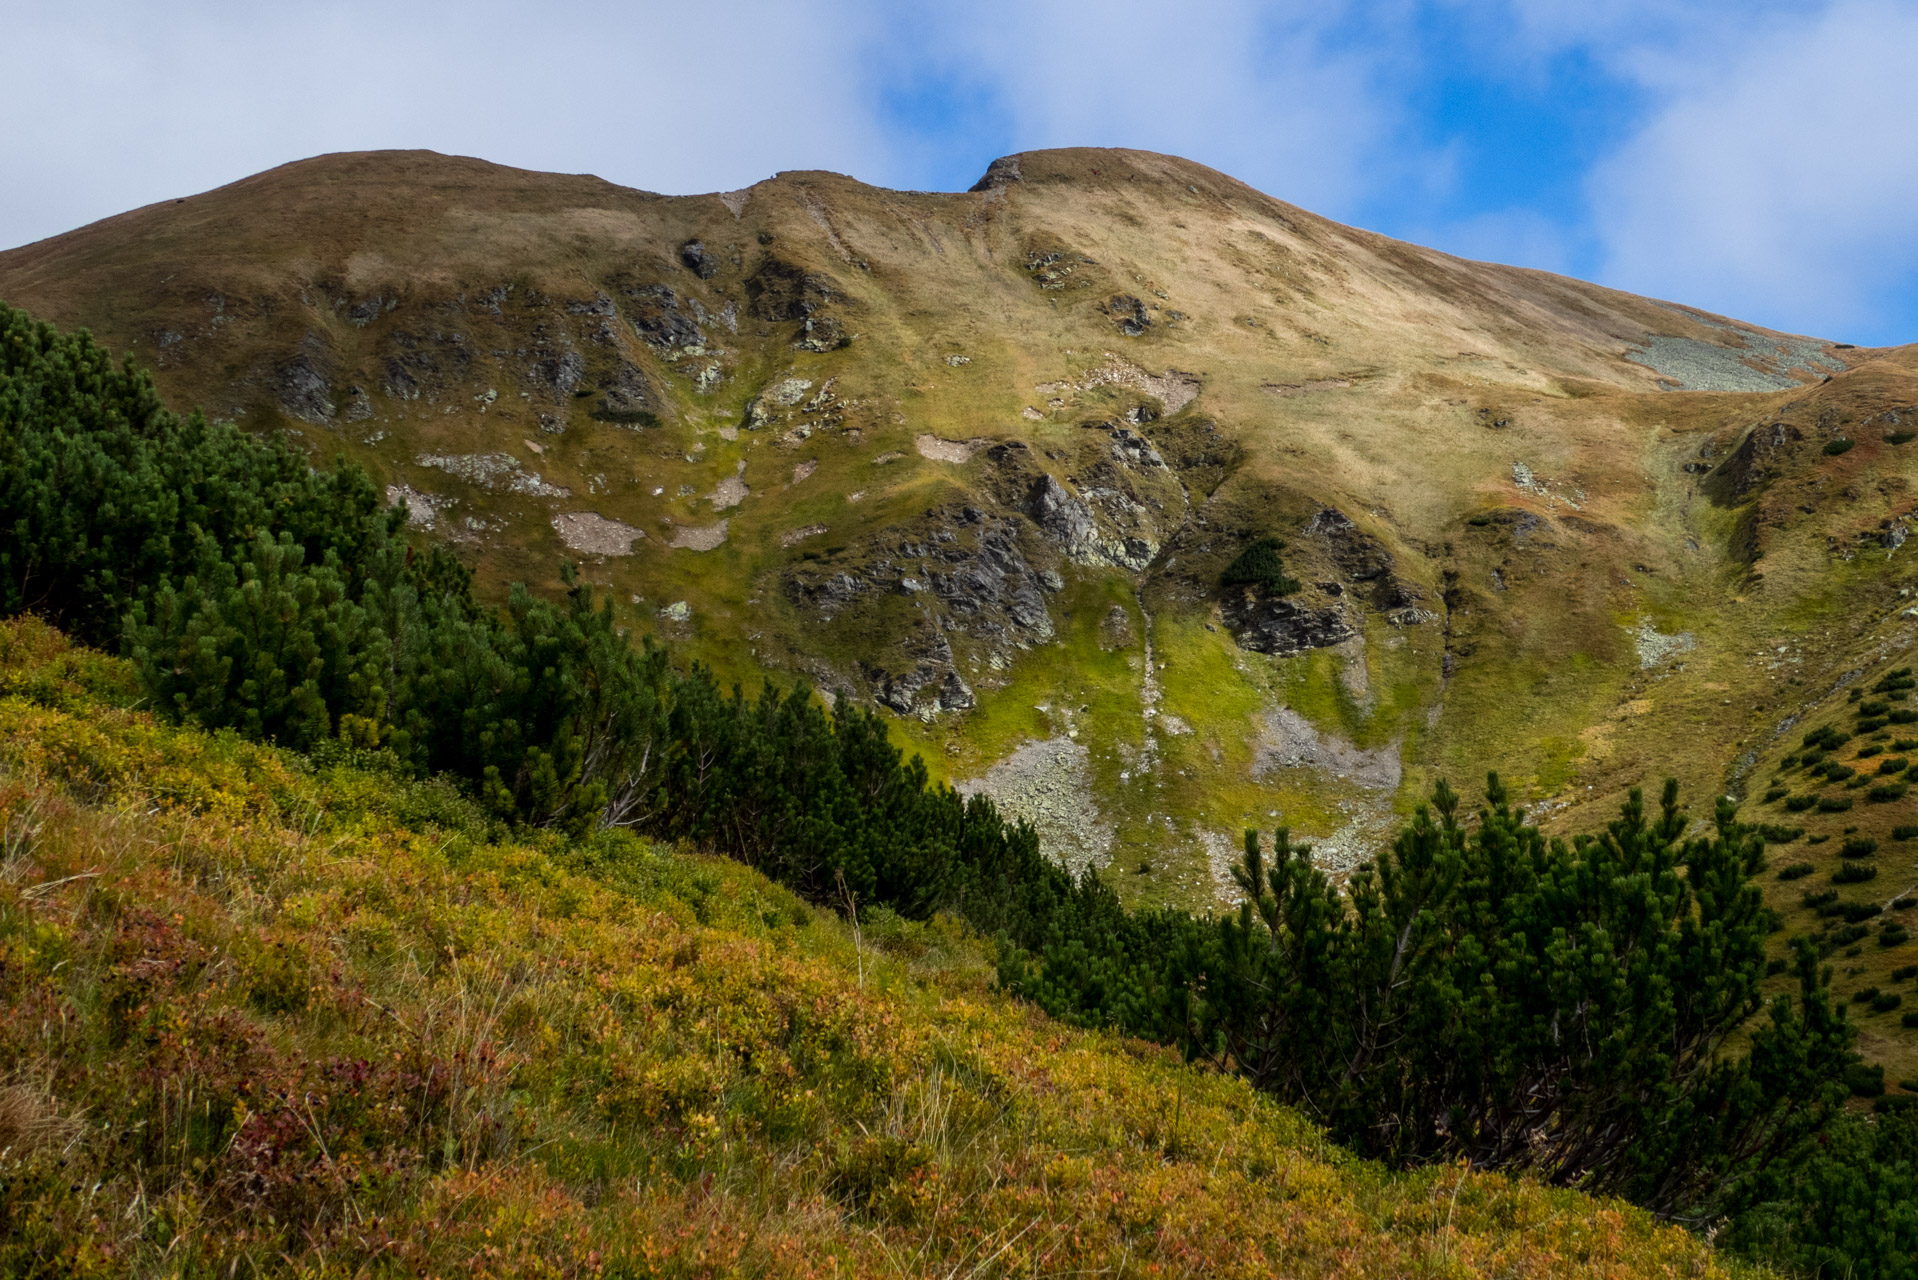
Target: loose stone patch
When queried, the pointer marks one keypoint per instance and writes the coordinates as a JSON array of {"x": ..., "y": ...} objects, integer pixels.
[
  {"x": 422, "y": 509},
  {"x": 691, "y": 538},
  {"x": 792, "y": 537},
  {"x": 954, "y": 451},
  {"x": 594, "y": 534}
]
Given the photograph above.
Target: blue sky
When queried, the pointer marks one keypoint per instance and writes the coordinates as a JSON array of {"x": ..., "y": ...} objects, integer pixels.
[{"x": 1759, "y": 159}]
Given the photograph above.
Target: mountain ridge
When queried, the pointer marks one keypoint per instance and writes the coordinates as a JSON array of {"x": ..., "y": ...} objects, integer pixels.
[{"x": 981, "y": 458}]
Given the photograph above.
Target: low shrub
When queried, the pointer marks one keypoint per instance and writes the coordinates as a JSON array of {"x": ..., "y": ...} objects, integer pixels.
[
  {"x": 1775, "y": 834},
  {"x": 1900, "y": 975},
  {"x": 1834, "y": 804},
  {"x": 1864, "y": 995},
  {"x": 1904, "y": 744},
  {"x": 1796, "y": 871},
  {"x": 1901, "y": 437},
  {"x": 1873, "y": 708},
  {"x": 1858, "y": 847},
  {"x": 1900, "y": 904},
  {"x": 1872, "y": 724},
  {"x": 1776, "y": 965},
  {"x": 1904, "y": 831},
  {"x": 1835, "y": 447},
  {"x": 1818, "y": 839},
  {"x": 1815, "y": 900},
  {"x": 1886, "y": 1002},
  {"x": 1893, "y": 935},
  {"x": 1854, "y": 873},
  {"x": 1798, "y": 804},
  {"x": 1776, "y": 794},
  {"x": 1865, "y": 1080},
  {"x": 1889, "y": 1103},
  {"x": 1910, "y": 1019},
  {"x": 1903, "y": 715},
  {"x": 1892, "y": 764},
  {"x": 1259, "y": 566},
  {"x": 1829, "y": 737},
  {"x": 1884, "y": 792}
]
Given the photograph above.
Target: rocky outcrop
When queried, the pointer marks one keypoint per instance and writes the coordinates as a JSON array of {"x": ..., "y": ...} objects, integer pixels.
[
  {"x": 695, "y": 257},
  {"x": 661, "y": 322},
  {"x": 303, "y": 391},
  {"x": 1759, "y": 458},
  {"x": 1128, "y": 314},
  {"x": 931, "y": 683},
  {"x": 1283, "y": 626},
  {"x": 627, "y": 398},
  {"x": 779, "y": 291}
]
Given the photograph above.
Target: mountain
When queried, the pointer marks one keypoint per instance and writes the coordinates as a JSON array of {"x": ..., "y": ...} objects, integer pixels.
[{"x": 983, "y": 458}]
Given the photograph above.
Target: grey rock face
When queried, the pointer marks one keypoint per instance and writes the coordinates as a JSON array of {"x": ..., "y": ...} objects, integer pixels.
[
  {"x": 1069, "y": 521},
  {"x": 1000, "y": 173},
  {"x": 1065, "y": 518},
  {"x": 930, "y": 685},
  {"x": 303, "y": 391},
  {"x": 1759, "y": 458},
  {"x": 559, "y": 372},
  {"x": 1283, "y": 626},
  {"x": 694, "y": 257},
  {"x": 627, "y": 398},
  {"x": 660, "y": 321},
  {"x": 1128, "y": 314}
]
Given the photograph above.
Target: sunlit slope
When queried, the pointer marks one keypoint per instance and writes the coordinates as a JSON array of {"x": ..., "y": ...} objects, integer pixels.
[
  {"x": 266, "y": 1019},
  {"x": 981, "y": 458}
]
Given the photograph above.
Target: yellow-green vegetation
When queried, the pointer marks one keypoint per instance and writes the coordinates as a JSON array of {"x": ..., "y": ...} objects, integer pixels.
[{"x": 266, "y": 1015}]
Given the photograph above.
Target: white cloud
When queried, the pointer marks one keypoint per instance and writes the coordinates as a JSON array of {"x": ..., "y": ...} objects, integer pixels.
[
  {"x": 143, "y": 102},
  {"x": 1272, "y": 93},
  {"x": 1784, "y": 187},
  {"x": 138, "y": 102}
]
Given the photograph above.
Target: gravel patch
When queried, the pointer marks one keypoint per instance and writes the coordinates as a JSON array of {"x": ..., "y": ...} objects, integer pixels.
[
  {"x": 493, "y": 471},
  {"x": 1654, "y": 647},
  {"x": 422, "y": 509},
  {"x": 954, "y": 451},
  {"x": 690, "y": 538},
  {"x": 786, "y": 392},
  {"x": 1049, "y": 784},
  {"x": 730, "y": 492},
  {"x": 1762, "y": 361},
  {"x": 1287, "y": 740},
  {"x": 594, "y": 534}
]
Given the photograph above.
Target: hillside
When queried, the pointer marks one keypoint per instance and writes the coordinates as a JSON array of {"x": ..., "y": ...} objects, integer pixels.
[
  {"x": 980, "y": 458},
  {"x": 266, "y": 1014}
]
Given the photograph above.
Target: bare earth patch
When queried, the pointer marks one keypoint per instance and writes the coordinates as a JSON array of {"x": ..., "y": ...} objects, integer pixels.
[
  {"x": 594, "y": 534},
  {"x": 792, "y": 537},
  {"x": 804, "y": 469},
  {"x": 706, "y": 538}
]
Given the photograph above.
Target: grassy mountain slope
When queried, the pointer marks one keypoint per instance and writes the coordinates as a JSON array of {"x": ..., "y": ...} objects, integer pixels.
[
  {"x": 981, "y": 457},
  {"x": 266, "y": 1015}
]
